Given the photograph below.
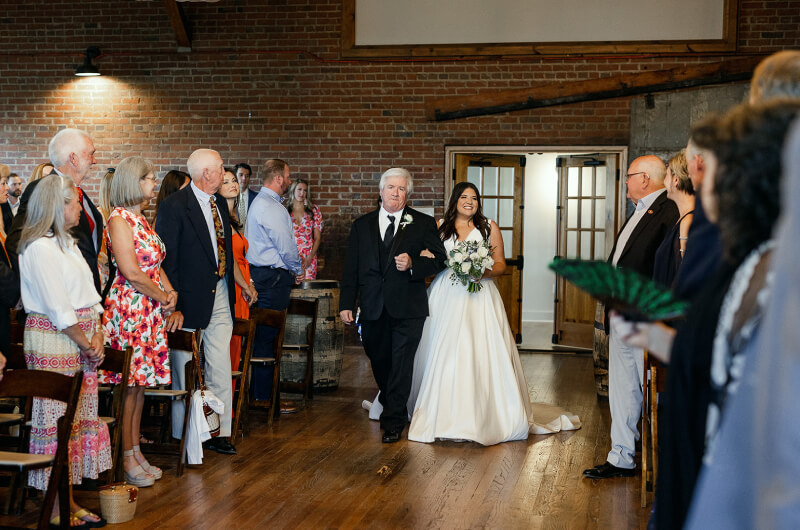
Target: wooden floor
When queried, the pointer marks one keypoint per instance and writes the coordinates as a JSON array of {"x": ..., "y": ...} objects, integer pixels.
[{"x": 325, "y": 467}]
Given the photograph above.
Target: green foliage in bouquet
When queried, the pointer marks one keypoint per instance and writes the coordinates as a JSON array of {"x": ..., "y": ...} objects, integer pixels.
[{"x": 627, "y": 291}]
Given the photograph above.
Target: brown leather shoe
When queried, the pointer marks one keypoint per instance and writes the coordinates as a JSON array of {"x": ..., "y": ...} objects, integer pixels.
[{"x": 289, "y": 407}]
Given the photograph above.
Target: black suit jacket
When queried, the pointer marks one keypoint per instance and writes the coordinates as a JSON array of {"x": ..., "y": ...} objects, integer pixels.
[
  {"x": 9, "y": 295},
  {"x": 640, "y": 251},
  {"x": 82, "y": 233},
  {"x": 377, "y": 283},
  {"x": 251, "y": 195},
  {"x": 8, "y": 216},
  {"x": 190, "y": 263}
]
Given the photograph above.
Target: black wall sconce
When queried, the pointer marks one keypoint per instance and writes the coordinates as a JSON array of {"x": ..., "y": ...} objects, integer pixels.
[{"x": 87, "y": 68}]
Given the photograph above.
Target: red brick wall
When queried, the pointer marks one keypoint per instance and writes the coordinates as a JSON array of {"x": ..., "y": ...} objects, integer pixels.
[{"x": 268, "y": 81}]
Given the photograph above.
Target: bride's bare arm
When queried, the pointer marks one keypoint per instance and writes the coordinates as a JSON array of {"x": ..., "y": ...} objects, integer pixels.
[{"x": 498, "y": 252}]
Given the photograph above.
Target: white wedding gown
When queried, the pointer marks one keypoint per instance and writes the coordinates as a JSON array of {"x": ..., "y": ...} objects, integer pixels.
[{"x": 468, "y": 382}]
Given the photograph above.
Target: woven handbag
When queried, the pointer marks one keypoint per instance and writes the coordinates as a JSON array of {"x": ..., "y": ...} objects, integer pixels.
[{"x": 212, "y": 418}]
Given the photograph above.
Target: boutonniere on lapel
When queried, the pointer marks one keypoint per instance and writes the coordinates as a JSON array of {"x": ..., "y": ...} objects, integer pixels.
[{"x": 407, "y": 220}]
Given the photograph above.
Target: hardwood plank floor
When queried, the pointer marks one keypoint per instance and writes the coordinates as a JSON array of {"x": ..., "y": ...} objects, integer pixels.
[{"x": 325, "y": 467}]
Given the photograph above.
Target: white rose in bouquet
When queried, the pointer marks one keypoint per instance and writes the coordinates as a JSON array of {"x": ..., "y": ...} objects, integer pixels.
[
  {"x": 458, "y": 257},
  {"x": 474, "y": 257},
  {"x": 465, "y": 267},
  {"x": 483, "y": 252}
]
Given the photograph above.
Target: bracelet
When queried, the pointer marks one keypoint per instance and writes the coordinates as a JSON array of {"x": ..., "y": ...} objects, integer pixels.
[{"x": 683, "y": 238}]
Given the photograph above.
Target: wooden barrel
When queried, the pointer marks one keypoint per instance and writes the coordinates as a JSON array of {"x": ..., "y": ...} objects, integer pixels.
[
  {"x": 600, "y": 353},
  {"x": 328, "y": 336}
]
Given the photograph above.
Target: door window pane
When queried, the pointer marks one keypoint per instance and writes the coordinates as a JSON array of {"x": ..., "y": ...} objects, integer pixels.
[
  {"x": 474, "y": 176},
  {"x": 506, "y": 213},
  {"x": 600, "y": 213},
  {"x": 600, "y": 245},
  {"x": 572, "y": 244},
  {"x": 508, "y": 242},
  {"x": 506, "y": 181},
  {"x": 572, "y": 213},
  {"x": 600, "y": 181},
  {"x": 490, "y": 209},
  {"x": 489, "y": 181},
  {"x": 586, "y": 213},
  {"x": 586, "y": 244},
  {"x": 572, "y": 181},
  {"x": 586, "y": 182}
]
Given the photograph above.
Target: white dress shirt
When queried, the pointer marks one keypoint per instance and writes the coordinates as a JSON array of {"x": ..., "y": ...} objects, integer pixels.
[
  {"x": 56, "y": 282},
  {"x": 641, "y": 207},
  {"x": 203, "y": 198},
  {"x": 383, "y": 221},
  {"x": 14, "y": 207}
]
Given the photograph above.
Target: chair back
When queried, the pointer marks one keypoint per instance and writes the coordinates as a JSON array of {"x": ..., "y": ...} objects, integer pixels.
[
  {"x": 181, "y": 340},
  {"x": 306, "y": 308},
  {"x": 15, "y": 357},
  {"x": 274, "y": 319}
]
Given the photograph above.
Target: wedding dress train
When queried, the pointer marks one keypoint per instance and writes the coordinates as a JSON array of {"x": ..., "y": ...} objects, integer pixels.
[{"x": 468, "y": 382}]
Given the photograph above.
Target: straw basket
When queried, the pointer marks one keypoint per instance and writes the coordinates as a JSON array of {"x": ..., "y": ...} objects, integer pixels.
[{"x": 118, "y": 503}]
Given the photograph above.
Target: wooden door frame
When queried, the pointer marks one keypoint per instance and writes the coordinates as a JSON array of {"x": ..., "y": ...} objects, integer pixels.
[{"x": 451, "y": 150}]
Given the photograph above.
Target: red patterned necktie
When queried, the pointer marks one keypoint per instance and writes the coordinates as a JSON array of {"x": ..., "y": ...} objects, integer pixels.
[
  {"x": 220, "y": 238},
  {"x": 88, "y": 217}
]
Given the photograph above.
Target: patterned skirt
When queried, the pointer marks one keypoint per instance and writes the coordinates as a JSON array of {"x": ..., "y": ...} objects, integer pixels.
[{"x": 46, "y": 348}]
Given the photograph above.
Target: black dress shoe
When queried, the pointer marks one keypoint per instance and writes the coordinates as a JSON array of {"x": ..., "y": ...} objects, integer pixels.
[
  {"x": 390, "y": 437},
  {"x": 607, "y": 470},
  {"x": 220, "y": 445}
]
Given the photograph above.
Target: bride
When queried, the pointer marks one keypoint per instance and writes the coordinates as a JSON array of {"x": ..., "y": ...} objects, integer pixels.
[{"x": 468, "y": 382}]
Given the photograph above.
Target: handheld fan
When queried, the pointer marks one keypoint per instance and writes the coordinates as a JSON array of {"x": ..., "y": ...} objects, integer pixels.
[{"x": 626, "y": 291}]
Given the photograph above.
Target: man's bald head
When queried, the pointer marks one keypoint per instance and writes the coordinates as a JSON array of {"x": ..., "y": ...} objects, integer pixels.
[
  {"x": 206, "y": 169},
  {"x": 645, "y": 175}
]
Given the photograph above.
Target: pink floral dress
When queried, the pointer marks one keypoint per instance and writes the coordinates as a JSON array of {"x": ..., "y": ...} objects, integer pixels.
[
  {"x": 133, "y": 319},
  {"x": 304, "y": 235}
]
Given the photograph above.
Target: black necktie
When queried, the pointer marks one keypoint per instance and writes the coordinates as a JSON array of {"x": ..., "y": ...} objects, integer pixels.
[{"x": 389, "y": 234}]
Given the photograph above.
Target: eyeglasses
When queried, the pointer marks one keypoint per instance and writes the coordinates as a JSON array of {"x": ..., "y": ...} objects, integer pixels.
[{"x": 629, "y": 175}]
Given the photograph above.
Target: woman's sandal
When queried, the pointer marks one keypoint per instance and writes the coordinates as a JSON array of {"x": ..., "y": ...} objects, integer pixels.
[
  {"x": 153, "y": 470},
  {"x": 145, "y": 441},
  {"x": 83, "y": 512},
  {"x": 138, "y": 476},
  {"x": 55, "y": 522}
]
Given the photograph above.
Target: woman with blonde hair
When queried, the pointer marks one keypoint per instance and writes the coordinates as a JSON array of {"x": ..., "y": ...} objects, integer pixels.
[
  {"x": 62, "y": 334},
  {"x": 307, "y": 224},
  {"x": 680, "y": 190},
  {"x": 41, "y": 171},
  {"x": 140, "y": 298}
]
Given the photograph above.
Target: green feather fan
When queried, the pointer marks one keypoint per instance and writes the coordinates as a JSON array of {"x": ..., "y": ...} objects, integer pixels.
[{"x": 627, "y": 291}]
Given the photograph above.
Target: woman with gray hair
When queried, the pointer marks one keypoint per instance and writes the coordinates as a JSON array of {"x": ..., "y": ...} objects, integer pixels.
[
  {"x": 62, "y": 334},
  {"x": 140, "y": 298}
]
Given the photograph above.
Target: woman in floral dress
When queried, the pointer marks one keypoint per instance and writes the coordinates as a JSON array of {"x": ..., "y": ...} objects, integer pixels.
[
  {"x": 62, "y": 334},
  {"x": 137, "y": 304},
  {"x": 307, "y": 223}
]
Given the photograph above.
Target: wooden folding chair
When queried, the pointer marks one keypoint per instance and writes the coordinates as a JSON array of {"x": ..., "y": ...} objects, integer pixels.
[
  {"x": 246, "y": 330},
  {"x": 50, "y": 385},
  {"x": 117, "y": 361},
  {"x": 655, "y": 378},
  {"x": 178, "y": 340},
  {"x": 305, "y": 309},
  {"x": 274, "y": 319}
]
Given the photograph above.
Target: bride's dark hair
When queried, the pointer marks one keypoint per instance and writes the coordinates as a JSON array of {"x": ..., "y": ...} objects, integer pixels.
[{"x": 448, "y": 228}]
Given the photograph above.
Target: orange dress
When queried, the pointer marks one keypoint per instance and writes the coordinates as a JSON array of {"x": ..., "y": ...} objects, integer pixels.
[{"x": 241, "y": 310}]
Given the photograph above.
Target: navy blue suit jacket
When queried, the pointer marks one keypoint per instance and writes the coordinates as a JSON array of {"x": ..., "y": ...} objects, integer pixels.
[
  {"x": 250, "y": 196},
  {"x": 190, "y": 263}
]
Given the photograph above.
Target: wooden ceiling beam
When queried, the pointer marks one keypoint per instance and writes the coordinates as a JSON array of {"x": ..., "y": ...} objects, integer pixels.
[
  {"x": 551, "y": 94},
  {"x": 180, "y": 25}
]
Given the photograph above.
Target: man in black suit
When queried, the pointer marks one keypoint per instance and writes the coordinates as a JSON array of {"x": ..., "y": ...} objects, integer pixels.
[
  {"x": 72, "y": 155},
  {"x": 634, "y": 248},
  {"x": 243, "y": 173},
  {"x": 385, "y": 275},
  {"x": 195, "y": 227}
]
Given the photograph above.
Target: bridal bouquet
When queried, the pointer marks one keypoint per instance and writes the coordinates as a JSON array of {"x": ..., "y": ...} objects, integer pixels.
[{"x": 468, "y": 260}]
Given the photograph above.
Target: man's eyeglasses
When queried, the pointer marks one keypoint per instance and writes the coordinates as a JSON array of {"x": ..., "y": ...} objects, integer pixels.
[{"x": 629, "y": 175}]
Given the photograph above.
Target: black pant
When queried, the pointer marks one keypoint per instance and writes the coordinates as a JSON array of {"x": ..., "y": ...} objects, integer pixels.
[
  {"x": 391, "y": 344},
  {"x": 273, "y": 287}
]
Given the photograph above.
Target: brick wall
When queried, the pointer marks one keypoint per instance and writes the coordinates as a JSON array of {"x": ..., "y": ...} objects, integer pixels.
[{"x": 268, "y": 81}]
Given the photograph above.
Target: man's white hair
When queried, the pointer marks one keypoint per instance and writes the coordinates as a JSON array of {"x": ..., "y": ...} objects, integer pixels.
[
  {"x": 397, "y": 172},
  {"x": 200, "y": 160},
  {"x": 63, "y": 144}
]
